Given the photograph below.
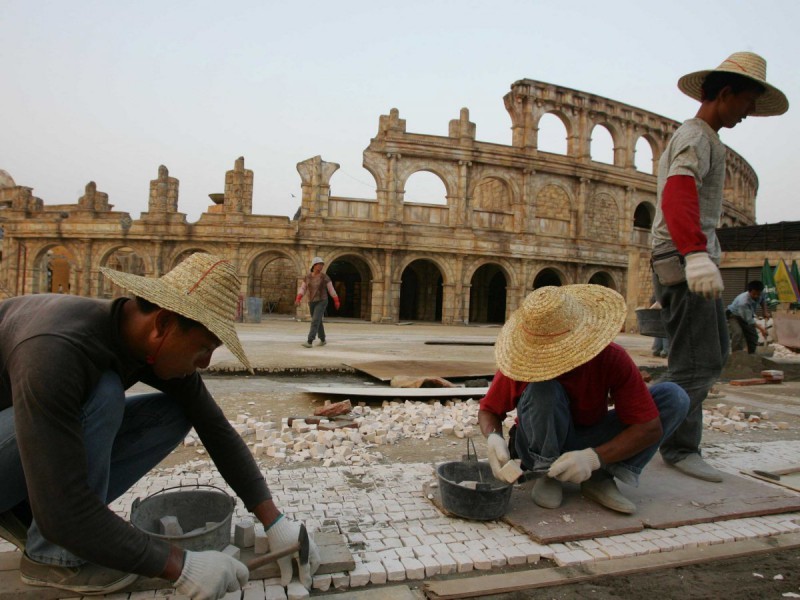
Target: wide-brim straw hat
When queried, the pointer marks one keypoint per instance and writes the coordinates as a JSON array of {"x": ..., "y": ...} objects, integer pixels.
[
  {"x": 557, "y": 329},
  {"x": 203, "y": 288},
  {"x": 748, "y": 64}
]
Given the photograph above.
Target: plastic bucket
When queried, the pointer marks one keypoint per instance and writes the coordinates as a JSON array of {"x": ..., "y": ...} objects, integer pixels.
[
  {"x": 650, "y": 323},
  {"x": 487, "y": 503},
  {"x": 204, "y": 514}
]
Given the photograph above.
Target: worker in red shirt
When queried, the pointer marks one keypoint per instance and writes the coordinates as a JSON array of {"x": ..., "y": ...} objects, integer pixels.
[{"x": 583, "y": 410}]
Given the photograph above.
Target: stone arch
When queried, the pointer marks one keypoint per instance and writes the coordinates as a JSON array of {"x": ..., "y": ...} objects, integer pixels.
[
  {"x": 643, "y": 215},
  {"x": 54, "y": 269},
  {"x": 549, "y": 276},
  {"x": 598, "y": 150},
  {"x": 553, "y": 202},
  {"x": 488, "y": 294},
  {"x": 425, "y": 178},
  {"x": 122, "y": 258},
  {"x": 548, "y": 134},
  {"x": 446, "y": 171},
  {"x": 645, "y": 164},
  {"x": 421, "y": 291},
  {"x": 181, "y": 255},
  {"x": 602, "y": 218},
  {"x": 352, "y": 276},
  {"x": 604, "y": 278},
  {"x": 272, "y": 276},
  {"x": 492, "y": 193}
]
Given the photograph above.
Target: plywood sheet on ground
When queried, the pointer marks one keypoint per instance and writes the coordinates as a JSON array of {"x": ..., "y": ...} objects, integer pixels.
[
  {"x": 449, "y": 369},
  {"x": 390, "y": 392},
  {"x": 334, "y": 557},
  {"x": 665, "y": 498}
]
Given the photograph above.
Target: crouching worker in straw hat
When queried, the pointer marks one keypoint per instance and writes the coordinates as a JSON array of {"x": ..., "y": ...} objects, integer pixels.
[
  {"x": 561, "y": 371},
  {"x": 71, "y": 442},
  {"x": 686, "y": 251}
]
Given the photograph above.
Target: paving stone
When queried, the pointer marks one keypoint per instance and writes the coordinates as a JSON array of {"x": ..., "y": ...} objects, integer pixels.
[
  {"x": 321, "y": 582},
  {"x": 377, "y": 572}
]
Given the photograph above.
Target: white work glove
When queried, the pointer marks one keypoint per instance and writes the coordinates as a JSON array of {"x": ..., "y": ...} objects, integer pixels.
[
  {"x": 703, "y": 276},
  {"x": 282, "y": 534},
  {"x": 210, "y": 575},
  {"x": 498, "y": 453},
  {"x": 575, "y": 466}
]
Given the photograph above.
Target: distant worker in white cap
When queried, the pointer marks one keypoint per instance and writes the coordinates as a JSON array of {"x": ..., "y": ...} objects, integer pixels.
[
  {"x": 584, "y": 413},
  {"x": 686, "y": 253},
  {"x": 319, "y": 287},
  {"x": 71, "y": 441}
]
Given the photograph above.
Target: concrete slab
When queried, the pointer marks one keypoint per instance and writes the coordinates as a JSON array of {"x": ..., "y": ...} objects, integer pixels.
[
  {"x": 390, "y": 392},
  {"x": 394, "y": 592},
  {"x": 385, "y": 370},
  {"x": 665, "y": 498}
]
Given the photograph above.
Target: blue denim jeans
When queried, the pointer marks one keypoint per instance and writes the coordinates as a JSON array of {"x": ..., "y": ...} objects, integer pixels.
[
  {"x": 317, "y": 313},
  {"x": 699, "y": 348},
  {"x": 545, "y": 429},
  {"x": 124, "y": 439}
]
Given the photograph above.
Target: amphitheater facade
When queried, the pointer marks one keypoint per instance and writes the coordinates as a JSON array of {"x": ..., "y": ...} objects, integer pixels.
[{"x": 515, "y": 218}]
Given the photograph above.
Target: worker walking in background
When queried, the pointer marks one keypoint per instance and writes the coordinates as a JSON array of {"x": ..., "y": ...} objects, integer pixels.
[
  {"x": 318, "y": 286},
  {"x": 686, "y": 252},
  {"x": 741, "y": 314}
]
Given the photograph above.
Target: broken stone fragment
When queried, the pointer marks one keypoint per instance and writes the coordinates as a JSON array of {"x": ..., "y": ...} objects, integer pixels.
[{"x": 334, "y": 409}]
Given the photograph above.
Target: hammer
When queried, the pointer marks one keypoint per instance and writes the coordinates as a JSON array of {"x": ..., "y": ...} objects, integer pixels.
[{"x": 300, "y": 546}]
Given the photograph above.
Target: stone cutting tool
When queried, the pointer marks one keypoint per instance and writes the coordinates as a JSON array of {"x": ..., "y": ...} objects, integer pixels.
[{"x": 301, "y": 547}]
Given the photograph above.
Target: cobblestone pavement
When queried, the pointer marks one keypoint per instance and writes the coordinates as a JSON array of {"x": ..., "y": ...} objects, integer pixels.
[{"x": 393, "y": 531}]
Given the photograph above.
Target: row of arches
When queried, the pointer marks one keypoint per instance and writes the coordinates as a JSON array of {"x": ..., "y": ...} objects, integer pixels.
[{"x": 274, "y": 276}]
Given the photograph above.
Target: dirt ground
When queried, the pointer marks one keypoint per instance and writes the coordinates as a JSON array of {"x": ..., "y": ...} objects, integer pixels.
[
  {"x": 275, "y": 396},
  {"x": 727, "y": 579}
]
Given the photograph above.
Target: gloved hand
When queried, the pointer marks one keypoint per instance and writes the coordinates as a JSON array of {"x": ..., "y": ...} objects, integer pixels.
[
  {"x": 703, "y": 276},
  {"x": 336, "y": 302},
  {"x": 282, "y": 534},
  {"x": 210, "y": 575},
  {"x": 297, "y": 299},
  {"x": 575, "y": 466},
  {"x": 498, "y": 453}
]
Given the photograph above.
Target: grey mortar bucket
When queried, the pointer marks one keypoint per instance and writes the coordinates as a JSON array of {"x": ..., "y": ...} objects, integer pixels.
[{"x": 203, "y": 512}]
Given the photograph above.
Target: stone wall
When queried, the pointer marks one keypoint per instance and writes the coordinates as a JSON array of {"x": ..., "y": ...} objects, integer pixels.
[{"x": 514, "y": 215}]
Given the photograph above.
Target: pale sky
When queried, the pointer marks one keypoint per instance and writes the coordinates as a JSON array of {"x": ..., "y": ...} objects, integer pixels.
[{"x": 106, "y": 91}]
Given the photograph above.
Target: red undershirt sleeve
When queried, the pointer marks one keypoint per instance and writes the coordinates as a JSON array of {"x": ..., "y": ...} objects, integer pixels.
[{"x": 681, "y": 208}]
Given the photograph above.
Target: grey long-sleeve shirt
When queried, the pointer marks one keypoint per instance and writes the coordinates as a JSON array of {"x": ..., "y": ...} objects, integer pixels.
[{"x": 53, "y": 350}]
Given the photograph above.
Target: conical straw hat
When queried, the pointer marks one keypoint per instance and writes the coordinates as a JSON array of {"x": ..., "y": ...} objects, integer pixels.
[
  {"x": 203, "y": 288},
  {"x": 772, "y": 102},
  {"x": 557, "y": 329}
]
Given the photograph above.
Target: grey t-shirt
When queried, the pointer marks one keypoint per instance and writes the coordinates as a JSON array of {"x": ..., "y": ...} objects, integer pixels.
[
  {"x": 694, "y": 149},
  {"x": 53, "y": 350}
]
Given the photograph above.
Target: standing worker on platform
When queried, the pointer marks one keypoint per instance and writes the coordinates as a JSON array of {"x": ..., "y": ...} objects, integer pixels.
[
  {"x": 318, "y": 286},
  {"x": 686, "y": 252},
  {"x": 71, "y": 441}
]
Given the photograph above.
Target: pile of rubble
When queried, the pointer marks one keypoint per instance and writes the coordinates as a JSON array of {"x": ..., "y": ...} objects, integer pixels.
[
  {"x": 784, "y": 353},
  {"x": 730, "y": 419},
  {"x": 356, "y": 439}
]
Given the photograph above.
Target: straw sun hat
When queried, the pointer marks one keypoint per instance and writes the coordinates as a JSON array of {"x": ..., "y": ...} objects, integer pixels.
[
  {"x": 772, "y": 102},
  {"x": 203, "y": 288},
  {"x": 557, "y": 329}
]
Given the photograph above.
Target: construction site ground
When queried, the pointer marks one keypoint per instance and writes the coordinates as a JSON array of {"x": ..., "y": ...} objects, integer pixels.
[{"x": 283, "y": 366}]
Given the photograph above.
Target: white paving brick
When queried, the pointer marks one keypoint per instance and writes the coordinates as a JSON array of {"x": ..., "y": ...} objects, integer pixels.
[
  {"x": 447, "y": 563},
  {"x": 414, "y": 568},
  {"x": 377, "y": 572}
]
